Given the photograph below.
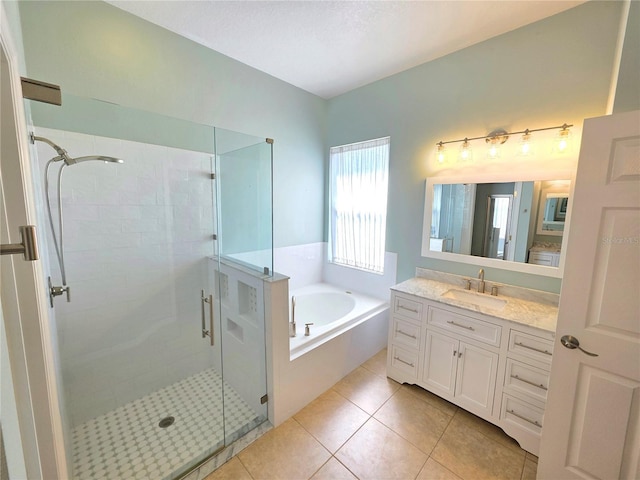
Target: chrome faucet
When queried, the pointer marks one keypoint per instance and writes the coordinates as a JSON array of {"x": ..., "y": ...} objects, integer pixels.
[
  {"x": 292, "y": 323},
  {"x": 481, "y": 282}
]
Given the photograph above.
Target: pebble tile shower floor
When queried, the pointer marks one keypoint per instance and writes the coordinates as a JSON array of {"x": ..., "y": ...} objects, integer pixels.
[{"x": 128, "y": 443}]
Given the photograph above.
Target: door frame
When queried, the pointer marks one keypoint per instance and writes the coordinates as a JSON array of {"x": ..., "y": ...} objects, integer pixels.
[{"x": 24, "y": 303}]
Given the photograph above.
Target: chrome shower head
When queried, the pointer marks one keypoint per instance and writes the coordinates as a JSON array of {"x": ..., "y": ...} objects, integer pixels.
[
  {"x": 99, "y": 158},
  {"x": 63, "y": 155}
]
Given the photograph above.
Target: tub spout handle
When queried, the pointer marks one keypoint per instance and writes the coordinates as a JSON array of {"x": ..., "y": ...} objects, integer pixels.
[
  {"x": 307, "y": 331},
  {"x": 292, "y": 323}
]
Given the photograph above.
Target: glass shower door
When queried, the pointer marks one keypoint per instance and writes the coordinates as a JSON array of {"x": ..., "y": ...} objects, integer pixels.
[
  {"x": 244, "y": 260},
  {"x": 153, "y": 379},
  {"x": 141, "y": 389}
]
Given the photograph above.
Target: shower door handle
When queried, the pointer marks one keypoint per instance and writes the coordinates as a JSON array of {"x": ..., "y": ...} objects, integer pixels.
[
  {"x": 28, "y": 247},
  {"x": 208, "y": 300}
]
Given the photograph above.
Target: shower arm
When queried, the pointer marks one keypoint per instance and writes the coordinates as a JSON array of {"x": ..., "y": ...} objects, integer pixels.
[{"x": 62, "y": 153}]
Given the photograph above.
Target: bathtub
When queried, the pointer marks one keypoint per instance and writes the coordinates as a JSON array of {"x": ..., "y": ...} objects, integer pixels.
[{"x": 332, "y": 311}]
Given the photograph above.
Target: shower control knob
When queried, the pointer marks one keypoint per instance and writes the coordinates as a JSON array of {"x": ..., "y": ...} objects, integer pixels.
[{"x": 57, "y": 291}]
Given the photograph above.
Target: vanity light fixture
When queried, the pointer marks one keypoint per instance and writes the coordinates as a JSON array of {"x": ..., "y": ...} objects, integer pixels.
[{"x": 496, "y": 138}]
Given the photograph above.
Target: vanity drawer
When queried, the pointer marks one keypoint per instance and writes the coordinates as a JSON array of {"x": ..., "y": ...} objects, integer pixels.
[
  {"x": 531, "y": 346},
  {"x": 466, "y": 326},
  {"x": 404, "y": 360},
  {"x": 521, "y": 414},
  {"x": 407, "y": 307},
  {"x": 406, "y": 332},
  {"x": 543, "y": 258},
  {"x": 528, "y": 380}
]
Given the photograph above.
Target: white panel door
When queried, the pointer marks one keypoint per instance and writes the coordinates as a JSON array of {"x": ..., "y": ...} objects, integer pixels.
[
  {"x": 476, "y": 379},
  {"x": 592, "y": 421},
  {"x": 440, "y": 362}
]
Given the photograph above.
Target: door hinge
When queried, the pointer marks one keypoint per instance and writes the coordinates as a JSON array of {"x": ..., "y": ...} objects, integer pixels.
[
  {"x": 213, "y": 176},
  {"x": 215, "y": 237},
  {"x": 264, "y": 399}
]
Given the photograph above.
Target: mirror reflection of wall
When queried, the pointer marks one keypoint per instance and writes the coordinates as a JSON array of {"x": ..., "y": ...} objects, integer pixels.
[{"x": 452, "y": 218}]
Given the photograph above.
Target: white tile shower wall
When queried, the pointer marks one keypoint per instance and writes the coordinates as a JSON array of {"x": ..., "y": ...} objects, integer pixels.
[
  {"x": 301, "y": 263},
  {"x": 243, "y": 336},
  {"x": 137, "y": 236}
]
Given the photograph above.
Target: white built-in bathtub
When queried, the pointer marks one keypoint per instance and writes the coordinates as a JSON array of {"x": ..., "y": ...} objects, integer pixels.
[{"x": 332, "y": 311}]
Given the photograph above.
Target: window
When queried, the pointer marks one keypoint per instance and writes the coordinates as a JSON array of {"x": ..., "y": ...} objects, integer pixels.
[{"x": 358, "y": 209}]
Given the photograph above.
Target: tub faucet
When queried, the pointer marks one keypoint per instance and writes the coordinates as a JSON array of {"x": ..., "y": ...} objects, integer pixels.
[
  {"x": 481, "y": 282},
  {"x": 292, "y": 323}
]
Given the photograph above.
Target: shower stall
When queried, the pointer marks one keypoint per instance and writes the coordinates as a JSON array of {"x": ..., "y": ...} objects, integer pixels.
[{"x": 161, "y": 342}]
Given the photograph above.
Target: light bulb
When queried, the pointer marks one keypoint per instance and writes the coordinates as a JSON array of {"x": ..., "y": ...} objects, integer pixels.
[
  {"x": 494, "y": 151},
  {"x": 562, "y": 140},
  {"x": 525, "y": 144},
  {"x": 465, "y": 152}
]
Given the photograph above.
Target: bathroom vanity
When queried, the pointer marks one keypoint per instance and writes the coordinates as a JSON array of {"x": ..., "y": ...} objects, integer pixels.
[{"x": 490, "y": 355}]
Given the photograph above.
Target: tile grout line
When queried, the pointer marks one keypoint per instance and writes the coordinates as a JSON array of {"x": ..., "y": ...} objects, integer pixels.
[
  {"x": 347, "y": 468},
  {"x": 241, "y": 463},
  {"x": 522, "y": 450}
]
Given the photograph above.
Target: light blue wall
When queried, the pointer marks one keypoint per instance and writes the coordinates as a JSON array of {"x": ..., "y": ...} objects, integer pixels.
[
  {"x": 94, "y": 50},
  {"x": 553, "y": 71},
  {"x": 628, "y": 87}
]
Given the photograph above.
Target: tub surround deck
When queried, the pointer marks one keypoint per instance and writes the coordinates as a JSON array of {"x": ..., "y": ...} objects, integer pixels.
[{"x": 524, "y": 306}]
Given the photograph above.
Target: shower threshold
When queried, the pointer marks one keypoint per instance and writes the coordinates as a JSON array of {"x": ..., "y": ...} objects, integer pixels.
[{"x": 129, "y": 442}]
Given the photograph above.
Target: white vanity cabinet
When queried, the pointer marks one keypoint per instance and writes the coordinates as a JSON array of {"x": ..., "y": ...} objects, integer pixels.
[
  {"x": 525, "y": 385},
  {"x": 461, "y": 358},
  {"x": 405, "y": 338},
  {"x": 461, "y": 371},
  {"x": 496, "y": 369},
  {"x": 550, "y": 259}
]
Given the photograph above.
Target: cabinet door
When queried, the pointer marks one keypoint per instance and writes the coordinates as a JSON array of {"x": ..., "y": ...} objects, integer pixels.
[
  {"x": 476, "y": 379},
  {"x": 441, "y": 357}
]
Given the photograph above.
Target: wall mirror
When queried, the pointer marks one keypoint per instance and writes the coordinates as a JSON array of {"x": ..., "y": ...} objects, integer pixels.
[
  {"x": 512, "y": 223},
  {"x": 553, "y": 212}
]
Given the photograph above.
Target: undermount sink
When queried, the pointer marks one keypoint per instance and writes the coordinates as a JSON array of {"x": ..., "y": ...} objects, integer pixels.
[{"x": 479, "y": 299}]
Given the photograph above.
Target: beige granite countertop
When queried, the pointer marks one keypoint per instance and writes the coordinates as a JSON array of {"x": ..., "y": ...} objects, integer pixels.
[{"x": 526, "y": 307}]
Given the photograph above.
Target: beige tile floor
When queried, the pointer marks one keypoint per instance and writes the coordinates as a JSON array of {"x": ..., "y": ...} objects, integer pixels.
[{"x": 370, "y": 427}]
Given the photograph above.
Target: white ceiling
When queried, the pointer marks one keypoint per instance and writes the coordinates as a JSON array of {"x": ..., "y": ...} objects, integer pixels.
[{"x": 330, "y": 47}]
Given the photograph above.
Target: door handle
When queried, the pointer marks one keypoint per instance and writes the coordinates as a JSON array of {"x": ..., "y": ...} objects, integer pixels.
[
  {"x": 28, "y": 247},
  {"x": 572, "y": 342},
  {"x": 208, "y": 300}
]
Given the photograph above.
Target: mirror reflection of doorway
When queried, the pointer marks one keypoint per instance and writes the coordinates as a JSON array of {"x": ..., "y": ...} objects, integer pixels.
[{"x": 497, "y": 229}]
